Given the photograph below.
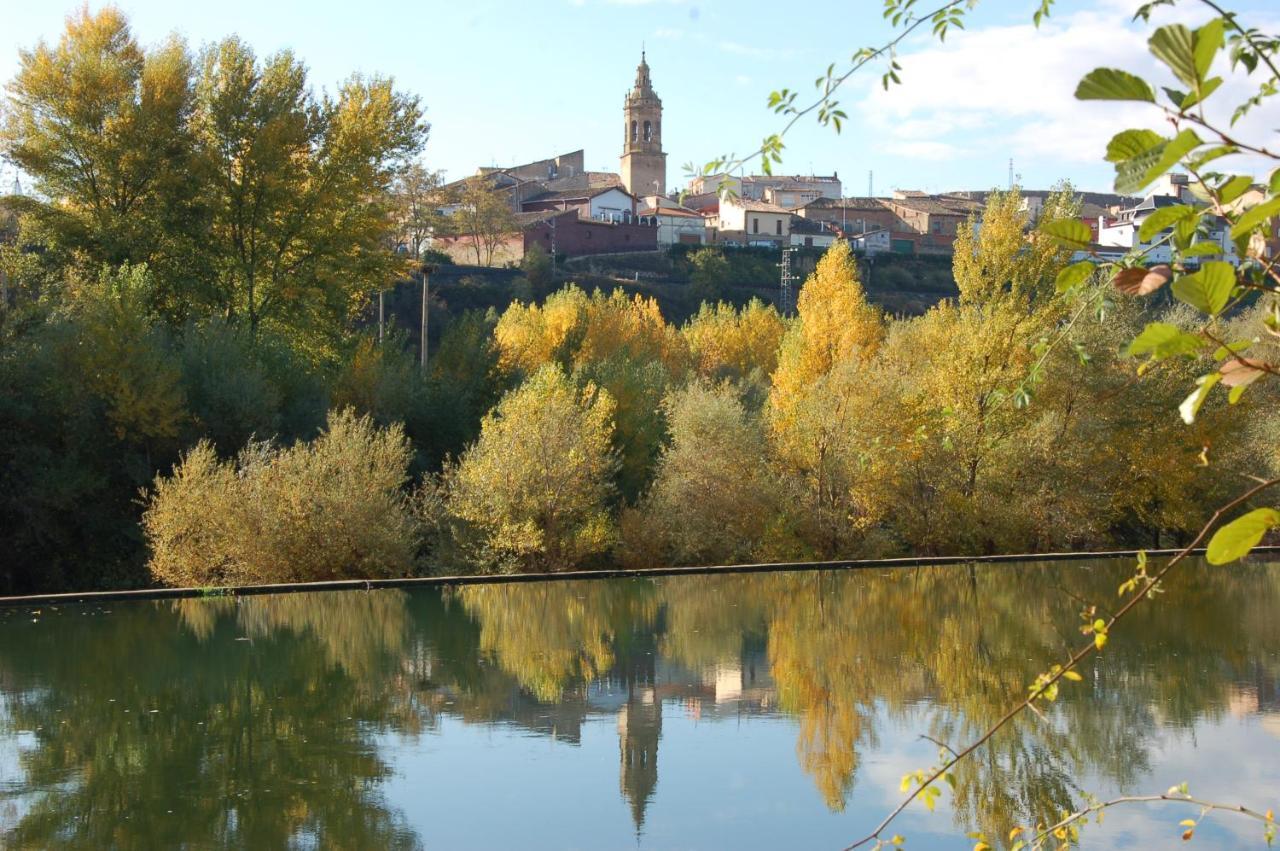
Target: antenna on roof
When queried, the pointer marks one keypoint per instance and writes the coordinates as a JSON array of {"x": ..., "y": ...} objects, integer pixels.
[
  {"x": 871, "y": 184},
  {"x": 1010, "y": 172}
]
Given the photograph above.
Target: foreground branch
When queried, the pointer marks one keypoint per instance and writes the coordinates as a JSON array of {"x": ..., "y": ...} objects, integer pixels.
[{"x": 1206, "y": 807}]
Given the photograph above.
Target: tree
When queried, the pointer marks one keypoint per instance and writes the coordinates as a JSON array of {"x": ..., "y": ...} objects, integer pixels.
[
  {"x": 536, "y": 265},
  {"x": 244, "y": 193},
  {"x": 712, "y": 497},
  {"x": 102, "y": 126},
  {"x": 300, "y": 189},
  {"x": 709, "y": 275},
  {"x": 535, "y": 485},
  {"x": 727, "y": 343},
  {"x": 484, "y": 216},
  {"x": 417, "y": 198}
]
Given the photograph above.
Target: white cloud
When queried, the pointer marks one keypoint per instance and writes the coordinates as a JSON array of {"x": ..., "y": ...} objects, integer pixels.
[
  {"x": 1008, "y": 91},
  {"x": 937, "y": 151},
  {"x": 740, "y": 49}
]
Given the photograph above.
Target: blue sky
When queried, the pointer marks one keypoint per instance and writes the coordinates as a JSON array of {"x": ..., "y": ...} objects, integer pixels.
[{"x": 507, "y": 82}]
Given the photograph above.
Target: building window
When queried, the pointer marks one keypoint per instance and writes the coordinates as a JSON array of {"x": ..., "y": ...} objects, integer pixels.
[
  {"x": 648, "y": 132},
  {"x": 755, "y": 225},
  {"x": 778, "y": 223},
  {"x": 634, "y": 131}
]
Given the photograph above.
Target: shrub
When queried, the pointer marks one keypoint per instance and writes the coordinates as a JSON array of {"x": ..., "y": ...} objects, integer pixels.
[
  {"x": 533, "y": 489},
  {"x": 332, "y": 508}
]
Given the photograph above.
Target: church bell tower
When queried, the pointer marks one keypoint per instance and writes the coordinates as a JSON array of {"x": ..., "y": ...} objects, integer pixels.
[{"x": 644, "y": 165}]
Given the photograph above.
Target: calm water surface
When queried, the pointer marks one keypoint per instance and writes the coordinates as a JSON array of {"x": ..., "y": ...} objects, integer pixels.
[{"x": 749, "y": 711}]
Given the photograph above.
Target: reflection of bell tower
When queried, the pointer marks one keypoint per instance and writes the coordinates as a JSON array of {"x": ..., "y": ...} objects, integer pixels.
[
  {"x": 639, "y": 728},
  {"x": 644, "y": 165}
]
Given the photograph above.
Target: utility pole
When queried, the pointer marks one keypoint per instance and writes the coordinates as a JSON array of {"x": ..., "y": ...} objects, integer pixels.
[
  {"x": 784, "y": 282},
  {"x": 426, "y": 269}
]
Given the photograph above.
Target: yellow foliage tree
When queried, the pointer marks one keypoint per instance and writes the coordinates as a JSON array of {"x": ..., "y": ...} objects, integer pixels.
[
  {"x": 725, "y": 342},
  {"x": 536, "y": 483},
  {"x": 834, "y": 322}
]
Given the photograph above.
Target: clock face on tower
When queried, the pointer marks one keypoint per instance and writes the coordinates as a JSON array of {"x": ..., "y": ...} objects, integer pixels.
[{"x": 644, "y": 164}]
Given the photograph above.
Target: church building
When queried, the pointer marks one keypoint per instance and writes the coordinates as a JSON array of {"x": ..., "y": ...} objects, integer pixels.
[{"x": 644, "y": 164}]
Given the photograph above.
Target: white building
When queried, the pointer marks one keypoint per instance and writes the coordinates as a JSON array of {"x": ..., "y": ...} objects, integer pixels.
[
  {"x": 808, "y": 233},
  {"x": 747, "y": 222},
  {"x": 1121, "y": 232},
  {"x": 872, "y": 242},
  {"x": 676, "y": 225}
]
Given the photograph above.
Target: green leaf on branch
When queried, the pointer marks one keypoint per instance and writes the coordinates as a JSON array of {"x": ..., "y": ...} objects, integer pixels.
[
  {"x": 1206, "y": 88},
  {"x": 1139, "y": 172},
  {"x": 1208, "y": 41},
  {"x": 1163, "y": 218},
  {"x": 1113, "y": 84},
  {"x": 1162, "y": 340},
  {"x": 1234, "y": 188},
  {"x": 1174, "y": 45},
  {"x": 1237, "y": 538},
  {"x": 1128, "y": 144},
  {"x": 1074, "y": 275},
  {"x": 1070, "y": 233},
  {"x": 1209, "y": 289},
  {"x": 1255, "y": 216}
]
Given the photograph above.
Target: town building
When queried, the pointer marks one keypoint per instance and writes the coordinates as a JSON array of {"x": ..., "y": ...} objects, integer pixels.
[
  {"x": 565, "y": 165},
  {"x": 789, "y": 191},
  {"x": 602, "y": 203},
  {"x": 743, "y": 221},
  {"x": 852, "y": 215},
  {"x": 644, "y": 164},
  {"x": 676, "y": 225},
  {"x": 807, "y": 233}
]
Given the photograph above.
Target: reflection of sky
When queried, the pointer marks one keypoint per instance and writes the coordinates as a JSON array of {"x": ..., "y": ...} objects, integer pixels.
[
  {"x": 14, "y": 800},
  {"x": 735, "y": 782}
]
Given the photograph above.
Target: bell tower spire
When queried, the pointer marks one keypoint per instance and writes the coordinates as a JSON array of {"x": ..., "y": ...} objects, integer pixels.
[{"x": 644, "y": 164}]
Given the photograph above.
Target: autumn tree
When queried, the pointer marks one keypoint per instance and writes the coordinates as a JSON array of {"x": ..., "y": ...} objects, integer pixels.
[
  {"x": 535, "y": 486},
  {"x": 416, "y": 197},
  {"x": 483, "y": 216},
  {"x": 330, "y": 508},
  {"x": 736, "y": 344},
  {"x": 834, "y": 323},
  {"x": 712, "y": 497},
  {"x": 300, "y": 188},
  {"x": 618, "y": 342},
  {"x": 813, "y": 429},
  {"x": 102, "y": 126}
]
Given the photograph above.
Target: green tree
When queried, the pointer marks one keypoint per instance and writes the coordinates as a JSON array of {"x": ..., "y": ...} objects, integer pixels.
[
  {"x": 102, "y": 126},
  {"x": 300, "y": 188},
  {"x": 536, "y": 265},
  {"x": 709, "y": 274}
]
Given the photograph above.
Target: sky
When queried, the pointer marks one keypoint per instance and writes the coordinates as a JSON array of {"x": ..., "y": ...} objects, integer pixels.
[{"x": 505, "y": 82}]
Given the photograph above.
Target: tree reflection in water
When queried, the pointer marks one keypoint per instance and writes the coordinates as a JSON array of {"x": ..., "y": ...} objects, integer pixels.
[{"x": 254, "y": 722}]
